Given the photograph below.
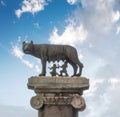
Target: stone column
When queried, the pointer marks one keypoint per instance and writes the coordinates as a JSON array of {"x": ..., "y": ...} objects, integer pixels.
[{"x": 58, "y": 96}]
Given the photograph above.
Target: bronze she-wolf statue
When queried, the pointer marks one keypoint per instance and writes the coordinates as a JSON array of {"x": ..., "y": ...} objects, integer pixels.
[{"x": 51, "y": 52}]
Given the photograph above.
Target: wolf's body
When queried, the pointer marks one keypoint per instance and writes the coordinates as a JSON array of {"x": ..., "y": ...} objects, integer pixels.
[{"x": 51, "y": 52}]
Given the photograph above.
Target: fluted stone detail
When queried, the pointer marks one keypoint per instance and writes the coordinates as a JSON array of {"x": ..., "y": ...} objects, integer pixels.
[
  {"x": 37, "y": 102},
  {"x": 74, "y": 100}
]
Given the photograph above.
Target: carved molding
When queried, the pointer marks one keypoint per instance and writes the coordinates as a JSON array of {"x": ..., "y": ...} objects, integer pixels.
[
  {"x": 74, "y": 100},
  {"x": 58, "y": 91},
  {"x": 57, "y": 100},
  {"x": 37, "y": 102},
  {"x": 78, "y": 102}
]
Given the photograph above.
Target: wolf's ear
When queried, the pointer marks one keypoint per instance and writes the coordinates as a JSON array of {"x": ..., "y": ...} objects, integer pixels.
[
  {"x": 23, "y": 42},
  {"x": 31, "y": 42}
]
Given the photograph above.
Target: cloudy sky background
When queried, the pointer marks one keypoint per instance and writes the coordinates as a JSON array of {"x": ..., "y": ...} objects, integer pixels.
[{"x": 92, "y": 26}]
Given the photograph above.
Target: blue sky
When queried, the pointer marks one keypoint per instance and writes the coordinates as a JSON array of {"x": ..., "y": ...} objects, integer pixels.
[{"x": 93, "y": 27}]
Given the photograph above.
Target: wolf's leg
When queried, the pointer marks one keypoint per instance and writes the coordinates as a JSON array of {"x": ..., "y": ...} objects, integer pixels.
[{"x": 43, "y": 73}]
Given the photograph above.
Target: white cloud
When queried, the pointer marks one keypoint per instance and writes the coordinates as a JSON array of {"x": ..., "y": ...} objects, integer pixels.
[
  {"x": 19, "y": 54},
  {"x": 93, "y": 20},
  {"x": 3, "y": 3},
  {"x": 37, "y": 68},
  {"x": 71, "y": 2},
  {"x": 116, "y": 16},
  {"x": 16, "y": 51},
  {"x": 81, "y": 56},
  {"x": 36, "y": 25},
  {"x": 29, "y": 64},
  {"x": 16, "y": 111},
  {"x": 115, "y": 83},
  {"x": 93, "y": 86},
  {"x": 31, "y": 6},
  {"x": 99, "y": 15},
  {"x": 118, "y": 30},
  {"x": 105, "y": 93},
  {"x": 71, "y": 35}
]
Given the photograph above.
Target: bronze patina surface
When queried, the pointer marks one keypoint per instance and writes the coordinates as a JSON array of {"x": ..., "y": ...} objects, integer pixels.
[{"x": 51, "y": 52}]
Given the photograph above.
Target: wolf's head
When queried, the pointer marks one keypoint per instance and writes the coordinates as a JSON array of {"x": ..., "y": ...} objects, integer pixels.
[{"x": 27, "y": 47}]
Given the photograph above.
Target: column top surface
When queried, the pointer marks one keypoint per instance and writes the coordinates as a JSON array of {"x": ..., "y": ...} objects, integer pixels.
[{"x": 58, "y": 84}]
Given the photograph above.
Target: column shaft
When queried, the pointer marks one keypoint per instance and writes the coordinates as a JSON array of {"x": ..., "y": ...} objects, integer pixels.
[{"x": 57, "y": 111}]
